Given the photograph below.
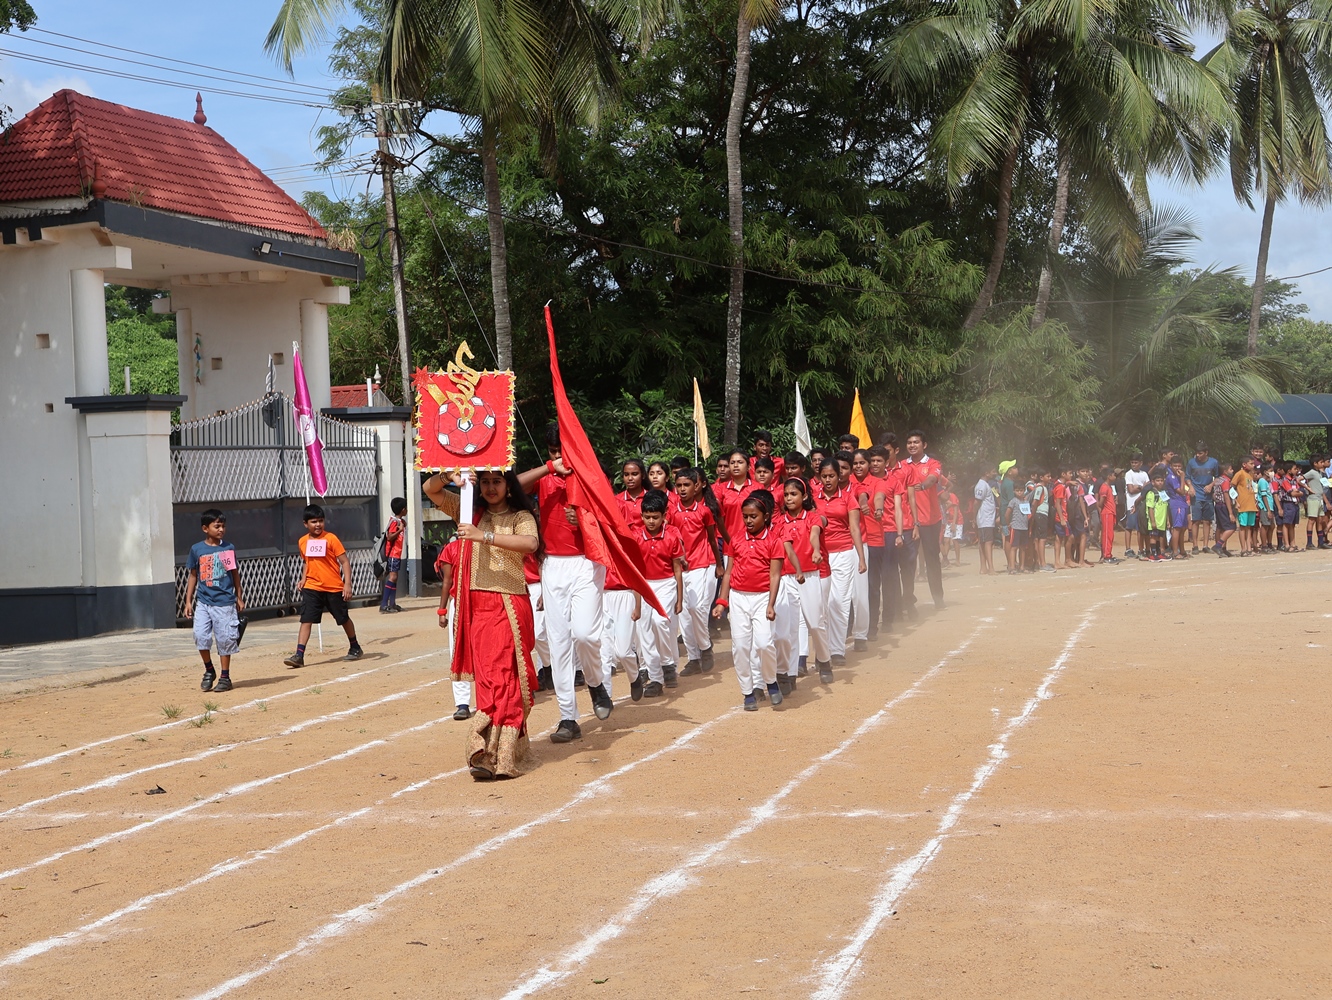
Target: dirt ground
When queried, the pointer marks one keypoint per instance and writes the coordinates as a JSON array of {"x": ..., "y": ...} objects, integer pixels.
[{"x": 1113, "y": 782}]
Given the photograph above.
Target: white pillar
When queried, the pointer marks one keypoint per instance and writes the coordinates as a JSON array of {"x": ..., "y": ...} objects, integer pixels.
[
  {"x": 314, "y": 352},
  {"x": 88, "y": 297},
  {"x": 185, "y": 362}
]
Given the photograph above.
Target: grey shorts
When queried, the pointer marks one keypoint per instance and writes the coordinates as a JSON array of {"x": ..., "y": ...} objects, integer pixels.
[
  {"x": 217, "y": 622},
  {"x": 1202, "y": 509}
]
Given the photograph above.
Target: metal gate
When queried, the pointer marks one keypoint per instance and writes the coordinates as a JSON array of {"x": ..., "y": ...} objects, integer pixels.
[{"x": 249, "y": 463}]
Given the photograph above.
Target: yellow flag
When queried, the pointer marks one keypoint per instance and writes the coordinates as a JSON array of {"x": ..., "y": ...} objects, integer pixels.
[
  {"x": 858, "y": 426},
  {"x": 701, "y": 423}
]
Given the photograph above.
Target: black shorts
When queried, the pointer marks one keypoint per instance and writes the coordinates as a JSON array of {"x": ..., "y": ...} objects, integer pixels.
[
  {"x": 1040, "y": 526},
  {"x": 985, "y": 534},
  {"x": 315, "y": 602}
]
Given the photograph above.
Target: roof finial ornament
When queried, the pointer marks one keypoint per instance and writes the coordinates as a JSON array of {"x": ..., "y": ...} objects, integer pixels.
[
  {"x": 199, "y": 117},
  {"x": 98, "y": 185}
]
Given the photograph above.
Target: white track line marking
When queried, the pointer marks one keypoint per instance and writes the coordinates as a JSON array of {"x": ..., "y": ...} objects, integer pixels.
[
  {"x": 678, "y": 879},
  {"x": 116, "y": 779},
  {"x": 227, "y": 867},
  {"x": 840, "y": 971},
  {"x": 241, "y": 789},
  {"x": 52, "y": 758},
  {"x": 365, "y": 913}
]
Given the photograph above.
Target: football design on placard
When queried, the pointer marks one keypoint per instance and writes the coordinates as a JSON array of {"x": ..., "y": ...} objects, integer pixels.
[{"x": 466, "y": 437}]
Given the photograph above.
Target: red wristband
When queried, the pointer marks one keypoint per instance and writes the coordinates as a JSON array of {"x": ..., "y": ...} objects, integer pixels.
[
  {"x": 550, "y": 467},
  {"x": 722, "y": 601},
  {"x": 441, "y": 611}
]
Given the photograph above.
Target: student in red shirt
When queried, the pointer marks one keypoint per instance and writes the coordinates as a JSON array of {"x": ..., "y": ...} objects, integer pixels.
[
  {"x": 1109, "y": 504},
  {"x": 870, "y": 492},
  {"x": 571, "y": 586},
  {"x": 634, "y": 476},
  {"x": 807, "y": 597},
  {"x": 925, "y": 481},
  {"x": 846, "y": 554},
  {"x": 763, "y": 449},
  {"x": 751, "y": 589},
  {"x": 698, "y": 524},
  {"x": 731, "y": 493},
  {"x": 764, "y": 474},
  {"x": 663, "y": 562}
]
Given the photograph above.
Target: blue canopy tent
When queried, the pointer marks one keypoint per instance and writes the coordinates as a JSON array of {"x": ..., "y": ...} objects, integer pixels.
[{"x": 1297, "y": 410}]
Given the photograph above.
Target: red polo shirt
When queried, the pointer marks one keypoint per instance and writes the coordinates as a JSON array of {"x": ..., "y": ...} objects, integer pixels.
[
  {"x": 751, "y": 556},
  {"x": 693, "y": 523},
  {"x": 927, "y": 499},
  {"x": 836, "y": 509},
  {"x": 871, "y": 529},
  {"x": 729, "y": 499},
  {"x": 560, "y": 537},
  {"x": 661, "y": 551}
]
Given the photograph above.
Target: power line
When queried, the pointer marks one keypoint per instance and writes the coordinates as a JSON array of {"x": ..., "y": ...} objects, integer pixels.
[
  {"x": 182, "y": 62},
  {"x": 174, "y": 84},
  {"x": 303, "y": 91}
]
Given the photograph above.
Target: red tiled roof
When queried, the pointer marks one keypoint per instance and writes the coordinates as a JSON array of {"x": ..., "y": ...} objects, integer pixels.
[
  {"x": 71, "y": 146},
  {"x": 351, "y": 396}
]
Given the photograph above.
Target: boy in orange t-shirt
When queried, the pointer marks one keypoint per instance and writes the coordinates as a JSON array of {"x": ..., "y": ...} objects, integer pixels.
[{"x": 325, "y": 585}]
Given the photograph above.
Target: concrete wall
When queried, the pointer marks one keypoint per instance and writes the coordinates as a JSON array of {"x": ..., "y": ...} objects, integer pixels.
[
  {"x": 40, "y": 434},
  {"x": 242, "y": 323}
]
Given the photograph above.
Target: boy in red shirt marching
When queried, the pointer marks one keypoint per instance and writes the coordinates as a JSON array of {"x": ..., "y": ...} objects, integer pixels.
[
  {"x": 698, "y": 527},
  {"x": 663, "y": 562}
]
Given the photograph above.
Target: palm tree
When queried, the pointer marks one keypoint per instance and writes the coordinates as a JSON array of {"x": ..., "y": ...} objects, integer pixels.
[
  {"x": 1111, "y": 86},
  {"x": 751, "y": 14},
  {"x": 1277, "y": 56},
  {"x": 500, "y": 64},
  {"x": 1158, "y": 343}
]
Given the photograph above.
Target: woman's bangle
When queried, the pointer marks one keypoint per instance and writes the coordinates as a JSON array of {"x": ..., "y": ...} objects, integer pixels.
[{"x": 488, "y": 537}]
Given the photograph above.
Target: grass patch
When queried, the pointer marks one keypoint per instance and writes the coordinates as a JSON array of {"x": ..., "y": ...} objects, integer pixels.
[
  {"x": 261, "y": 705},
  {"x": 7, "y": 752},
  {"x": 141, "y": 739},
  {"x": 210, "y": 706},
  {"x": 202, "y": 720},
  {"x": 316, "y": 690},
  {"x": 171, "y": 711}
]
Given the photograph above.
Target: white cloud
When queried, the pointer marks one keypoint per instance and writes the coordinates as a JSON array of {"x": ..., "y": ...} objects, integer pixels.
[{"x": 23, "y": 93}]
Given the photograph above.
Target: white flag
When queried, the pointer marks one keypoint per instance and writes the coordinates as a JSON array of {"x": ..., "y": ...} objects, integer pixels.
[{"x": 804, "y": 444}]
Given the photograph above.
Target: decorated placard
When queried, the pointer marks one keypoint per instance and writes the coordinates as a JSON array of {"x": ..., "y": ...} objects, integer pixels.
[{"x": 464, "y": 418}]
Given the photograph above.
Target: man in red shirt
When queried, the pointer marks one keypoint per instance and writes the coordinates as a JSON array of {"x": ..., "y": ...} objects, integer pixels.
[
  {"x": 899, "y": 544},
  {"x": 924, "y": 482},
  {"x": 571, "y": 586},
  {"x": 763, "y": 449}
]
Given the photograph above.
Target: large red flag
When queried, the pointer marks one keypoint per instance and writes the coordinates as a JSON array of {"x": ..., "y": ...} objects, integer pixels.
[{"x": 591, "y": 497}]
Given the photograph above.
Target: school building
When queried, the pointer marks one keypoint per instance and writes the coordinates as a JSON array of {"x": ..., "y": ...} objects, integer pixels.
[{"x": 100, "y": 492}]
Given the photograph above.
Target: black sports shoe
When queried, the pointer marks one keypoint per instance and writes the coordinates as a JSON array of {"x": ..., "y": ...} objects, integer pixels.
[
  {"x": 207, "y": 683},
  {"x": 566, "y": 732},
  {"x": 463, "y": 714},
  {"x": 601, "y": 701},
  {"x": 825, "y": 673},
  {"x": 636, "y": 685},
  {"x": 705, "y": 659},
  {"x": 653, "y": 689},
  {"x": 751, "y": 703},
  {"x": 691, "y": 668},
  {"x": 355, "y": 653},
  {"x": 775, "y": 694},
  {"x": 760, "y": 693},
  {"x": 545, "y": 680},
  {"x": 223, "y": 684},
  {"x": 295, "y": 660},
  {"x": 784, "y": 682},
  {"x": 837, "y": 660},
  {"x": 860, "y": 645},
  {"x": 668, "y": 670},
  {"x": 804, "y": 667},
  {"x": 579, "y": 680}
]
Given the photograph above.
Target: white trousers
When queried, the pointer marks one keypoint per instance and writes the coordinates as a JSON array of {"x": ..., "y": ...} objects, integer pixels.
[
  {"x": 618, "y": 638},
  {"x": 699, "y": 587},
  {"x": 753, "y": 651},
  {"x": 786, "y": 629},
  {"x": 813, "y": 608},
  {"x": 656, "y": 635},
  {"x": 859, "y": 600},
  {"x": 571, "y": 588},
  {"x": 841, "y": 593},
  {"x": 539, "y": 625},
  {"x": 462, "y": 690}
]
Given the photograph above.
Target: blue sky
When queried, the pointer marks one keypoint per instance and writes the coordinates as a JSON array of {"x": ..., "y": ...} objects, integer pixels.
[{"x": 280, "y": 138}]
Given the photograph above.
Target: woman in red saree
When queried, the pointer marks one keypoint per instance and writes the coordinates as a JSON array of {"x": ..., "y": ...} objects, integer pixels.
[{"x": 493, "y": 633}]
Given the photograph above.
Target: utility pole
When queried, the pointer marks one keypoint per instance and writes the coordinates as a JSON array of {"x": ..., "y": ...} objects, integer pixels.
[{"x": 412, "y": 480}]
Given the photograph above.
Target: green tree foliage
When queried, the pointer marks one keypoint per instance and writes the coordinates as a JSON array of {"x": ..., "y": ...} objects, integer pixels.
[
  {"x": 14, "y": 14},
  {"x": 1303, "y": 344},
  {"x": 860, "y": 266},
  {"x": 143, "y": 341}
]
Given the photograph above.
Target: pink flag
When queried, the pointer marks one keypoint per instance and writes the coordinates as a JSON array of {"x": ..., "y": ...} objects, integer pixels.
[{"x": 305, "y": 421}]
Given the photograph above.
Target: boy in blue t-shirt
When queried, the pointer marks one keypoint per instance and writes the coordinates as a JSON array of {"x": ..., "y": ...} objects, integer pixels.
[{"x": 213, "y": 599}]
